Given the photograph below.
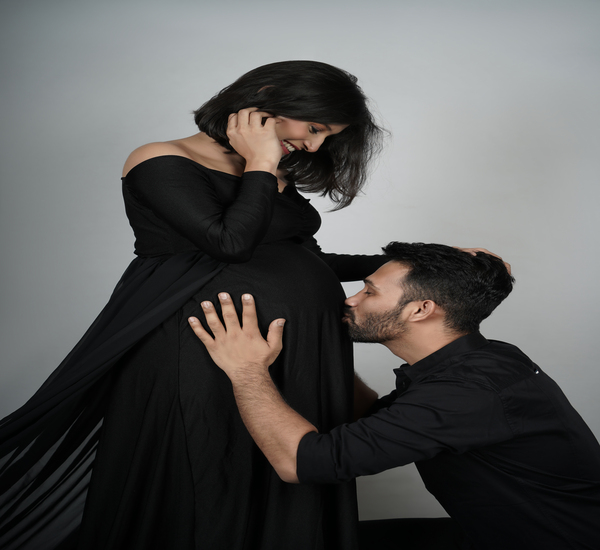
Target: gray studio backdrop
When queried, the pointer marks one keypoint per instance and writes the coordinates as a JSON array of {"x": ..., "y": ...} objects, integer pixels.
[{"x": 494, "y": 113}]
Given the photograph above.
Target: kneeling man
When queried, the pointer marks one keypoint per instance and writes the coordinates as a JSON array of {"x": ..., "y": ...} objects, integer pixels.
[{"x": 493, "y": 437}]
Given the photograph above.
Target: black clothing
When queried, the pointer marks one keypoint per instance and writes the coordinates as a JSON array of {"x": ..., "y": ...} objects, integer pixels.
[
  {"x": 411, "y": 534},
  {"x": 145, "y": 411},
  {"x": 494, "y": 439}
]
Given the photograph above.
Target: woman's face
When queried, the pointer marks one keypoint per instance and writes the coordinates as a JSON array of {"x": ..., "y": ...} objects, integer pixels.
[{"x": 301, "y": 135}]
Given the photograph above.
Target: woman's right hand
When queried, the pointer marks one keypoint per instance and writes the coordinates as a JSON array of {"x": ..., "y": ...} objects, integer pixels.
[{"x": 256, "y": 142}]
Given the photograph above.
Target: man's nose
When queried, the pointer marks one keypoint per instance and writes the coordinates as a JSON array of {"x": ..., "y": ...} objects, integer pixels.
[{"x": 351, "y": 301}]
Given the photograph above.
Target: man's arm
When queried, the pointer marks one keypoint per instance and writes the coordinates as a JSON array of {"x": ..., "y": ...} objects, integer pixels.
[{"x": 245, "y": 356}]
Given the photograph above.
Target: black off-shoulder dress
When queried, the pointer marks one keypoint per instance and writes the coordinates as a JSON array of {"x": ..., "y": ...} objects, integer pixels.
[{"x": 135, "y": 441}]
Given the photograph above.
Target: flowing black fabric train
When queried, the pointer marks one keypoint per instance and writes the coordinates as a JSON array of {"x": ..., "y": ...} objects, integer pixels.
[
  {"x": 139, "y": 409},
  {"x": 53, "y": 438}
]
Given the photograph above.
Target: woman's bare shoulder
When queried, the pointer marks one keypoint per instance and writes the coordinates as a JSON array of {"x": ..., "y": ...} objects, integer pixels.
[{"x": 151, "y": 150}]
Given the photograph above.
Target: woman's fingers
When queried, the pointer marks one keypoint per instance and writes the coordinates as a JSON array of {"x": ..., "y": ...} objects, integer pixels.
[
  {"x": 261, "y": 119},
  {"x": 232, "y": 123},
  {"x": 250, "y": 117},
  {"x": 474, "y": 251},
  {"x": 252, "y": 135}
]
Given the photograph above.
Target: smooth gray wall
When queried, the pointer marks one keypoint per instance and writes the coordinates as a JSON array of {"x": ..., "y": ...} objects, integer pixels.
[{"x": 493, "y": 106}]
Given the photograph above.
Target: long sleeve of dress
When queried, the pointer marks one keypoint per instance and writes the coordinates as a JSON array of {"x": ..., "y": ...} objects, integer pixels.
[
  {"x": 220, "y": 214},
  {"x": 348, "y": 267}
]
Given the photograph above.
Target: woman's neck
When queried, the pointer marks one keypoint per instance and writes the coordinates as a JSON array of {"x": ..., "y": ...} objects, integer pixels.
[{"x": 206, "y": 151}]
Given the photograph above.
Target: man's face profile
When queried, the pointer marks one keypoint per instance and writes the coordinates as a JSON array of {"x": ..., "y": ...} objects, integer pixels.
[{"x": 375, "y": 313}]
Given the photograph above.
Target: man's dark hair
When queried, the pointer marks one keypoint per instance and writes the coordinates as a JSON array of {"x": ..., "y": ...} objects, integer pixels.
[
  {"x": 313, "y": 92},
  {"x": 467, "y": 287}
]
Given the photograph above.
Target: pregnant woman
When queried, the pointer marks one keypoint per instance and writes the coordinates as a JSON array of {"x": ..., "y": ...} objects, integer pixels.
[{"x": 135, "y": 441}]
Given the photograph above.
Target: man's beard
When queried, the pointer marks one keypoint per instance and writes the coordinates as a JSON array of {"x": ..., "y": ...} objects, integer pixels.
[{"x": 376, "y": 327}]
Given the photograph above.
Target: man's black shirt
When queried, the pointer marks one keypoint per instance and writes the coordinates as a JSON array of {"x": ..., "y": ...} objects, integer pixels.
[{"x": 494, "y": 439}]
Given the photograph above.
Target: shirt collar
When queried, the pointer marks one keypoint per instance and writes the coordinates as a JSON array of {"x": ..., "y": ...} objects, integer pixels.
[{"x": 425, "y": 366}]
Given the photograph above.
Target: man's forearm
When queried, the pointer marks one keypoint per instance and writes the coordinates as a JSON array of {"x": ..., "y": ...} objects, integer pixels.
[{"x": 275, "y": 427}]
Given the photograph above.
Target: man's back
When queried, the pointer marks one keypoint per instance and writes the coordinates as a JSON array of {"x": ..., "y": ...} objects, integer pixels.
[{"x": 537, "y": 488}]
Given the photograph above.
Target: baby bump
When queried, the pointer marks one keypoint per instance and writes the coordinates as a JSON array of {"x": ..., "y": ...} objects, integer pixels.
[
  {"x": 284, "y": 279},
  {"x": 288, "y": 281}
]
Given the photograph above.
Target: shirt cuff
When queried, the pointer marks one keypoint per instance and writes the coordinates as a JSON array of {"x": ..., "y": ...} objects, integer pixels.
[{"x": 314, "y": 462}]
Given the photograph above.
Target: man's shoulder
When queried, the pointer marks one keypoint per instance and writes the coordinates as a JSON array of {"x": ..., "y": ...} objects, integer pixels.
[{"x": 497, "y": 365}]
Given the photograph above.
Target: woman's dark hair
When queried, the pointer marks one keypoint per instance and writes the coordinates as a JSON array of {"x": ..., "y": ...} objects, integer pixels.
[{"x": 314, "y": 92}]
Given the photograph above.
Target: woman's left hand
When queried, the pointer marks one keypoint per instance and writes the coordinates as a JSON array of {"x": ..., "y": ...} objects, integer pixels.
[{"x": 485, "y": 251}]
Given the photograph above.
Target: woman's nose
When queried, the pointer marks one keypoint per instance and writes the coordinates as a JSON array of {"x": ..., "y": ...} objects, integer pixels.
[{"x": 312, "y": 145}]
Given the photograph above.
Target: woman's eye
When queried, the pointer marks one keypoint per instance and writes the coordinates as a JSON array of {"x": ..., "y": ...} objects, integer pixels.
[{"x": 314, "y": 130}]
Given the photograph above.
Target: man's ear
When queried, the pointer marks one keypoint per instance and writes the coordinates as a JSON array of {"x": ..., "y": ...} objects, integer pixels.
[{"x": 420, "y": 310}]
